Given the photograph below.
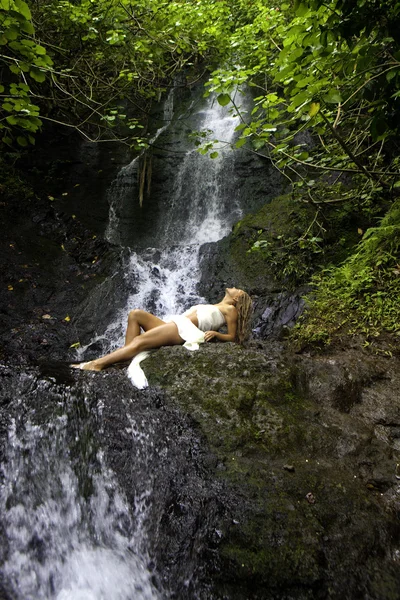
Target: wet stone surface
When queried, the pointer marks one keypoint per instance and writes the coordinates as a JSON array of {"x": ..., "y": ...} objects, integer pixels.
[
  {"x": 261, "y": 486},
  {"x": 267, "y": 475},
  {"x": 317, "y": 479}
]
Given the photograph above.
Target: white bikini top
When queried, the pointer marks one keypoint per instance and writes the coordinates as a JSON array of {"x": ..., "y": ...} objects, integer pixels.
[{"x": 210, "y": 318}]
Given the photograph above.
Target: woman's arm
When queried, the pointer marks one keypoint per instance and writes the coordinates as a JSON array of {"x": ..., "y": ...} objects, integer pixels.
[
  {"x": 222, "y": 337},
  {"x": 231, "y": 317}
]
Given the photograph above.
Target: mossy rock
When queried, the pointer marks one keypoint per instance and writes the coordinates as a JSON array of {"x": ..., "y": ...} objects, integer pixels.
[{"x": 306, "y": 522}]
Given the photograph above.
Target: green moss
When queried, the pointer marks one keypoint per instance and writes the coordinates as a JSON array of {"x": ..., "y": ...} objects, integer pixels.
[
  {"x": 272, "y": 547},
  {"x": 362, "y": 295},
  {"x": 295, "y": 238},
  {"x": 295, "y": 563}
]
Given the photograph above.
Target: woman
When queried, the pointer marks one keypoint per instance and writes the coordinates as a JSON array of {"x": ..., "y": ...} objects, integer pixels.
[{"x": 234, "y": 311}]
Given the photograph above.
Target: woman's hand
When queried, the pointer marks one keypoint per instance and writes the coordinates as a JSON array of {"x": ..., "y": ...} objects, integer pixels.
[{"x": 210, "y": 335}]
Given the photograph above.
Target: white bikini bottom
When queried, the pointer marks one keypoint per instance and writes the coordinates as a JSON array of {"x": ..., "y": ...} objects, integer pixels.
[{"x": 188, "y": 331}]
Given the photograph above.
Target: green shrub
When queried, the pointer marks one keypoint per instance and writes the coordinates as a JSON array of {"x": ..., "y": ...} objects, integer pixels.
[{"x": 362, "y": 295}]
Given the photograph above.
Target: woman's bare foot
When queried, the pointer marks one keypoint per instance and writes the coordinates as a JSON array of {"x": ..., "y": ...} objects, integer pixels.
[{"x": 87, "y": 366}]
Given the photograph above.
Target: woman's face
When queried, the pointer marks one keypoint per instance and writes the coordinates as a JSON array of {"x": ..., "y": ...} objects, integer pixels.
[{"x": 234, "y": 292}]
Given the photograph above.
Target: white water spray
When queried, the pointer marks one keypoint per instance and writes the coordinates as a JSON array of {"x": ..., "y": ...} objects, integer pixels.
[{"x": 62, "y": 546}]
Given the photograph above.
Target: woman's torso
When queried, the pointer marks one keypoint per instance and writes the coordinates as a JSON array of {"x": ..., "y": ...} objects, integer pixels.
[{"x": 207, "y": 317}]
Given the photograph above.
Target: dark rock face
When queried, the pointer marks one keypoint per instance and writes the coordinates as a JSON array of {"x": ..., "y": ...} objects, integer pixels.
[
  {"x": 268, "y": 479},
  {"x": 76, "y": 173},
  {"x": 313, "y": 472},
  {"x": 49, "y": 263},
  {"x": 280, "y": 314}
]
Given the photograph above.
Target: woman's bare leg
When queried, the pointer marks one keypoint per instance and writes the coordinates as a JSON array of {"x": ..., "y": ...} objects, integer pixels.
[
  {"x": 138, "y": 319},
  {"x": 163, "y": 335}
]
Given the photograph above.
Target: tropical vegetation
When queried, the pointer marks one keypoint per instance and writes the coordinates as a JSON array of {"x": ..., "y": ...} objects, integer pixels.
[{"x": 325, "y": 80}]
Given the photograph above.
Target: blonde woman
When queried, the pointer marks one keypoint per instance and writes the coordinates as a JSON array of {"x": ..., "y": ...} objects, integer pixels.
[{"x": 199, "y": 324}]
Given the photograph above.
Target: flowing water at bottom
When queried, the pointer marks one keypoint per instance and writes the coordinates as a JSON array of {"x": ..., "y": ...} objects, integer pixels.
[{"x": 71, "y": 533}]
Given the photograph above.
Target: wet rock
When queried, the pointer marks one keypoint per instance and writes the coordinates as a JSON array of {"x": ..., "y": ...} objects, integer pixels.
[
  {"x": 255, "y": 426},
  {"x": 154, "y": 452},
  {"x": 281, "y": 313},
  {"x": 51, "y": 271}
]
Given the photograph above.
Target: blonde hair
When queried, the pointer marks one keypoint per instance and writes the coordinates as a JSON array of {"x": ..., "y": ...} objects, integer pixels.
[{"x": 244, "y": 307}]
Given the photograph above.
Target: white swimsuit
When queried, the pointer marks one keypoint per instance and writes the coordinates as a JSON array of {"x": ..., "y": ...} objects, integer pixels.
[{"x": 210, "y": 318}]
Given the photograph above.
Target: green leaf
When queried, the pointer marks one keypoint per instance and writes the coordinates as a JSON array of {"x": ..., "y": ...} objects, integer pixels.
[
  {"x": 11, "y": 33},
  {"x": 240, "y": 142},
  {"x": 40, "y": 50},
  {"x": 297, "y": 52},
  {"x": 258, "y": 144},
  {"x": 314, "y": 109},
  {"x": 302, "y": 10},
  {"x": 285, "y": 73},
  {"x": 333, "y": 97},
  {"x": 240, "y": 127},
  {"x": 37, "y": 75},
  {"x": 299, "y": 99},
  {"x": 213, "y": 154},
  {"x": 223, "y": 99},
  {"x": 42, "y": 60},
  {"x": 27, "y": 27},
  {"x": 378, "y": 127},
  {"x": 23, "y": 9},
  {"x": 391, "y": 74},
  {"x": 22, "y": 141}
]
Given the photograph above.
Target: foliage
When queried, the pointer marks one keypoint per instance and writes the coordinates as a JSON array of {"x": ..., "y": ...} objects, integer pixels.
[
  {"x": 12, "y": 183},
  {"x": 297, "y": 238},
  {"x": 325, "y": 76},
  {"x": 23, "y": 64},
  {"x": 332, "y": 68},
  {"x": 103, "y": 63},
  {"x": 290, "y": 241},
  {"x": 328, "y": 68},
  {"x": 362, "y": 294}
]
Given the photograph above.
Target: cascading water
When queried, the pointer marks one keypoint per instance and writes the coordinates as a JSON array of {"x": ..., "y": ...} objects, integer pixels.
[
  {"x": 198, "y": 210},
  {"x": 70, "y": 531}
]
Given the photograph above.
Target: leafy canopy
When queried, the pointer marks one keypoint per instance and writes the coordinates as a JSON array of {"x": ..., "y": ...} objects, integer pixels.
[
  {"x": 329, "y": 70},
  {"x": 23, "y": 63},
  {"x": 87, "y": 64}
]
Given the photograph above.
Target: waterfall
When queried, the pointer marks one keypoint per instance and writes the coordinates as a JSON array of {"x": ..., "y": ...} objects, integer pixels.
[
  {"x": 198, "y": 210},
  {"x": 71, "y": 532}
]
